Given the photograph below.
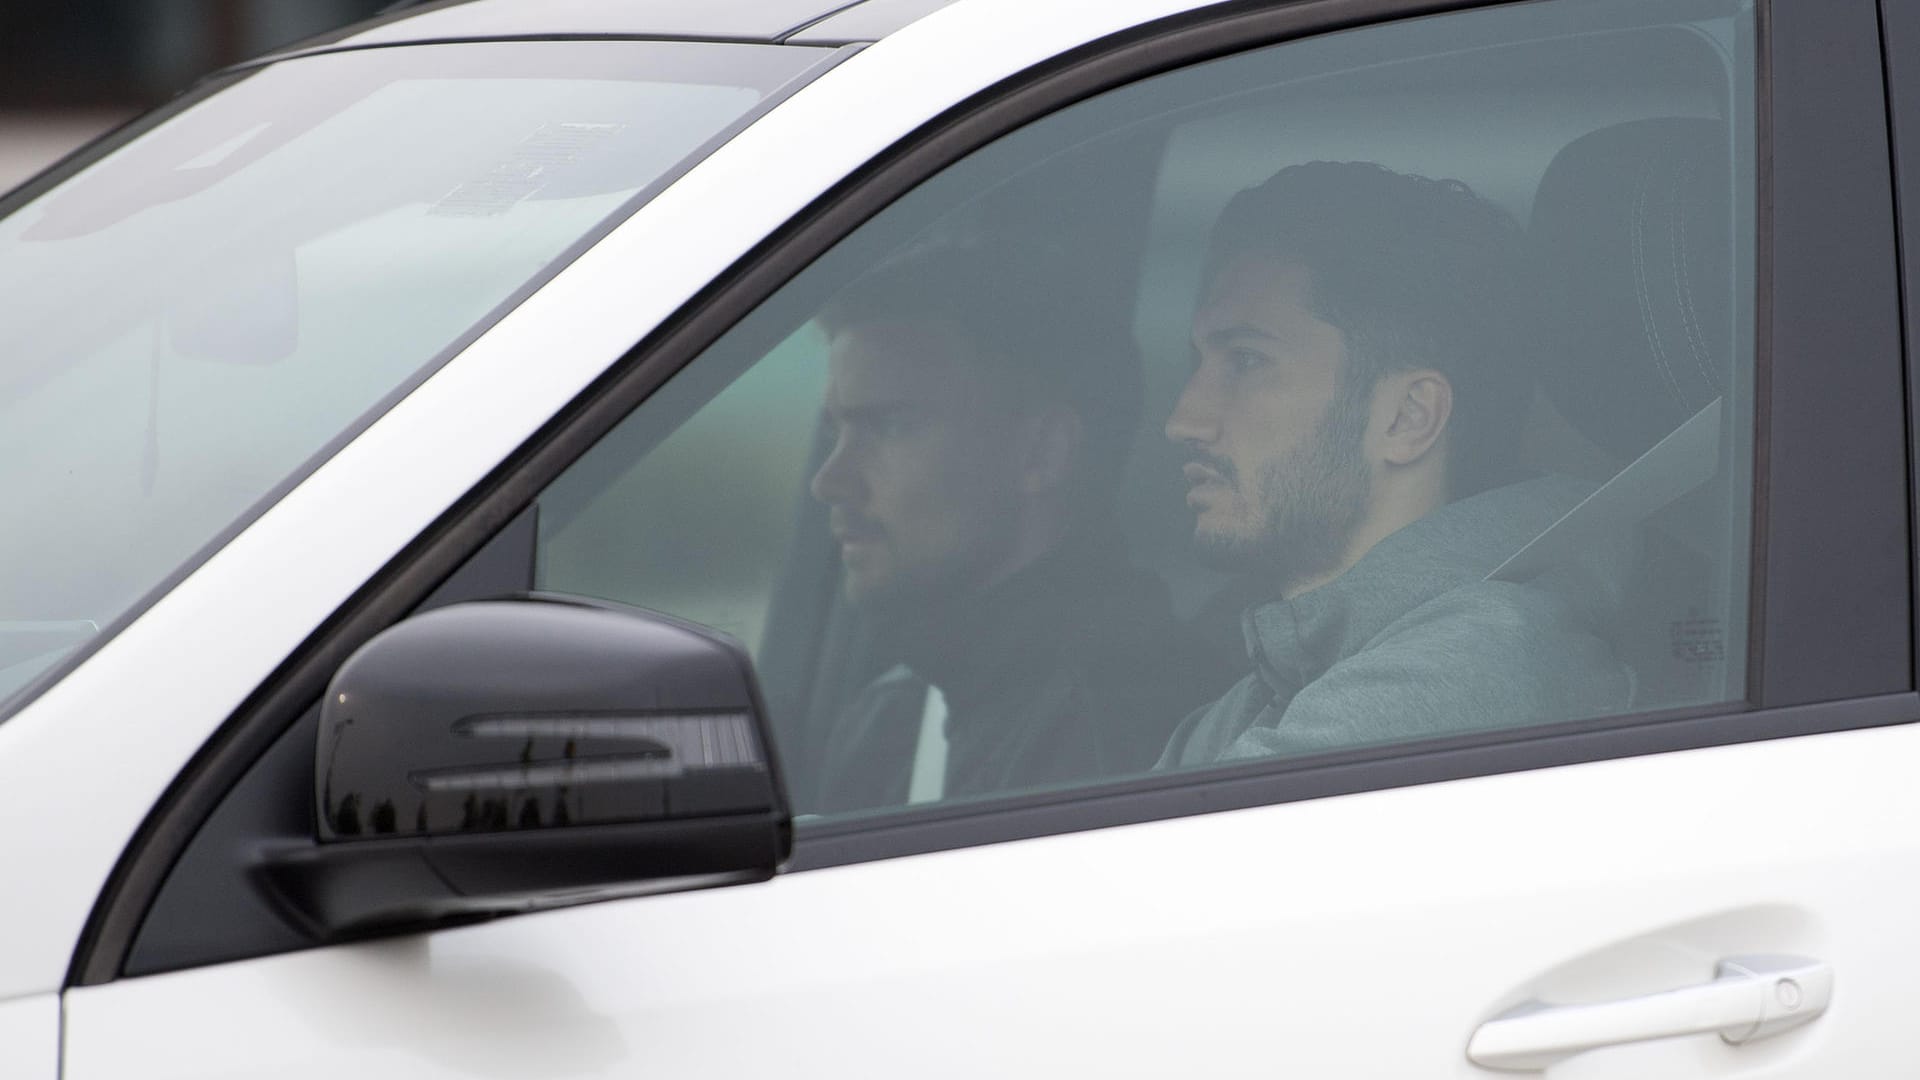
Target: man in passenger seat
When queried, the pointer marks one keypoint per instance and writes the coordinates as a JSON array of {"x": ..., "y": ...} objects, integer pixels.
[
  {"x": 1351, "y": 423},
  {"x": 982, "y": 415}
]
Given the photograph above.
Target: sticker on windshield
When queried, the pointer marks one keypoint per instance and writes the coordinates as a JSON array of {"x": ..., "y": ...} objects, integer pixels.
[{"x": 530, "y": 166}]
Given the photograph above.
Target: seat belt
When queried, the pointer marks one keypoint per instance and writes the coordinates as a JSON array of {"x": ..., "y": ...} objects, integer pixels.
[
  {"x": 929, "y": 780},
  {"x": 1687, "y": 458}
]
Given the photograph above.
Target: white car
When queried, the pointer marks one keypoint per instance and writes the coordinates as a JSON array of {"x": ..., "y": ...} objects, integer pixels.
[{"x": 431, "y": 616}]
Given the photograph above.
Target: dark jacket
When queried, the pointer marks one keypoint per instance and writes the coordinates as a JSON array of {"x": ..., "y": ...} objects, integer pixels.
[
  {"x": 1413, "y": 641},
  {"x": 1071, "y": 669}
]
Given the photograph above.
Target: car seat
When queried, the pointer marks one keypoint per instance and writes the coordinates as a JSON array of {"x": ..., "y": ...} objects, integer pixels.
[{"x": 1630, "y": 247}]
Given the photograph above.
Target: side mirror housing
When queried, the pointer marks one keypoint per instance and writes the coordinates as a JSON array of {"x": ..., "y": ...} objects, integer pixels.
[{"x": 513, "y": 754}]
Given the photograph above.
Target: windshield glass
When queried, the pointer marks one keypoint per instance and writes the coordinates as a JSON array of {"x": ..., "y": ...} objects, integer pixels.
[{"x": 195, "y": 319}]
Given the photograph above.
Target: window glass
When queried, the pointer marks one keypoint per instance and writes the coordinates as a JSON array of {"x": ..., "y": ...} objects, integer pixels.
[
  {"x": 193, "y": 317},
  {"x": 1375, "y": 388}
]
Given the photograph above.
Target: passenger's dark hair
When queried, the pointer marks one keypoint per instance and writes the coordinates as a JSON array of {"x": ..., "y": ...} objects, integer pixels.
[
  {"x": 1415, "y": 273},
  {"x": 1032, "y": 326}
]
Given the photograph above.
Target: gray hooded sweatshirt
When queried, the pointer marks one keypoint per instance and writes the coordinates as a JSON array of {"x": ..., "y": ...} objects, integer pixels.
[{"x": 1413, "y": 641}]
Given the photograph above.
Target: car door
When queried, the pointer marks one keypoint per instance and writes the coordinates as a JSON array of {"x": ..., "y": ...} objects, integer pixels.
[{"x": 1706, "y": 878}]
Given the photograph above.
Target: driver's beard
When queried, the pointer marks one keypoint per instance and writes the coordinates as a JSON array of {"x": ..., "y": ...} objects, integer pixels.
[
  {"x": 921, "y": 599},
  {"x": 1309, "y": 502}
]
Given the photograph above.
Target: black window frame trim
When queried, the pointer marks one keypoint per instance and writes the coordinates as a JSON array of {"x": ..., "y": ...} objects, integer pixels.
[
  {"x": 1834, "y": 524},
  {"x": 947, "y": 826},
  {"x": 1137, "y": 53},
  {"x": 1900, "y": 27}
]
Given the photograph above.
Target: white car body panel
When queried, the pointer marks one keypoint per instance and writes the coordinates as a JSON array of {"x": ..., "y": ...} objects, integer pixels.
[
  {"x": 1358, "y": 936},
  {"x": 30, "y": 1038},
  {"x": 161, "y": 687}
]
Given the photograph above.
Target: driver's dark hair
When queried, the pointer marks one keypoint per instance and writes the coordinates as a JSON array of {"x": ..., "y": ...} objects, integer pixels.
[
  {"x": 1415, "y": 273},
  {"x": 1028, "y": 320}
]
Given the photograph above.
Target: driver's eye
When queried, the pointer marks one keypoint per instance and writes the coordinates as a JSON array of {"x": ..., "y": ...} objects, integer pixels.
[{"x": 1246, "y": 359}]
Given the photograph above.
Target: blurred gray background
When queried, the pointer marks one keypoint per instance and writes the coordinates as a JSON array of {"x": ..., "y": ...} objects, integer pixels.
[{"x": 71, "y": 69}]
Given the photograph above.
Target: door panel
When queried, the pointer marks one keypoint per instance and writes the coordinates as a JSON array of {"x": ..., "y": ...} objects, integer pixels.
[
  {"x": 1360, "y": 936},
  {"x": 30, "y": 1038}
]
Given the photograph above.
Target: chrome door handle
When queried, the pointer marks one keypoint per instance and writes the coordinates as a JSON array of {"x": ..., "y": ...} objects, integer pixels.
[{"x": 1751, "y": 997}]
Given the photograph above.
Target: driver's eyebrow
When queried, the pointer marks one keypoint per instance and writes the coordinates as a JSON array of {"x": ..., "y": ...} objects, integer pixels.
[{"x": 1228, "y": 334}]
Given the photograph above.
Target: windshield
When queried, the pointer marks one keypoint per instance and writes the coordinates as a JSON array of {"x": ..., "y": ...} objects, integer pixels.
[{"x": 199, "y": 316}]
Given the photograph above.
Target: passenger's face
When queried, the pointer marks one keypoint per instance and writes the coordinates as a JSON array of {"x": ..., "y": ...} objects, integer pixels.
[
  {"x": 1275, "y": 474},
  {"x": 923, "y": 478}
]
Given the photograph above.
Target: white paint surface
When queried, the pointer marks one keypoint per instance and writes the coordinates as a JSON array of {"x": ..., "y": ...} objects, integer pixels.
[
  {"x": 30, "y": 1038},
  {"x": 1362, "y": 936}
]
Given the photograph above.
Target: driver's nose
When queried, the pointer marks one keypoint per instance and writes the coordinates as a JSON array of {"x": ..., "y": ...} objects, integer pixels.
[
  {"x": 1195, "y": 420},
  {"x": 837, "y": 483}
]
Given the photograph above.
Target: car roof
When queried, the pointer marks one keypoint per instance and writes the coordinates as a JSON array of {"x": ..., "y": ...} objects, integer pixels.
[
  {"x": 800, "y": 22},
  {"x": 868, "y": 21}
]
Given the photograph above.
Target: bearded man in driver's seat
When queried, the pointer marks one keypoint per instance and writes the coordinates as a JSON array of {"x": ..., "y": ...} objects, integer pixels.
[{"x": 981, "y": 414}]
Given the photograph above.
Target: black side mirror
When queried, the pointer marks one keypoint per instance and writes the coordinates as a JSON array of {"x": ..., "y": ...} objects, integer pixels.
[{"x": 515, "y": 754}]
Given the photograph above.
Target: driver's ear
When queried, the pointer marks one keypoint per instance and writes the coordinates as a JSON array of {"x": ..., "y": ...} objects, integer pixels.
[
  {"x": 1421, "y": 403},
  {"x": 1053, "y": 439}
]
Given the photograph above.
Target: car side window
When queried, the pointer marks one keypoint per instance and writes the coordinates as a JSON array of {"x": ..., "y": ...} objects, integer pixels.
[{"x": 1364, "y": 390}]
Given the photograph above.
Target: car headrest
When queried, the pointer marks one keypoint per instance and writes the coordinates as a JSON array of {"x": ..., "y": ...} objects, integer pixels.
[{"x": 1629, "y": 243}]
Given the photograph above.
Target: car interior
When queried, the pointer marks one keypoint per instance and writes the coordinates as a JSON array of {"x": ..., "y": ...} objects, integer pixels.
[{"x": 1615, "y": 150}]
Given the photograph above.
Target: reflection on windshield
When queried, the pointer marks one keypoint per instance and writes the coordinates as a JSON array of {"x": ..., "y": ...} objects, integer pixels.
[{"x": 214, "y": 303}]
